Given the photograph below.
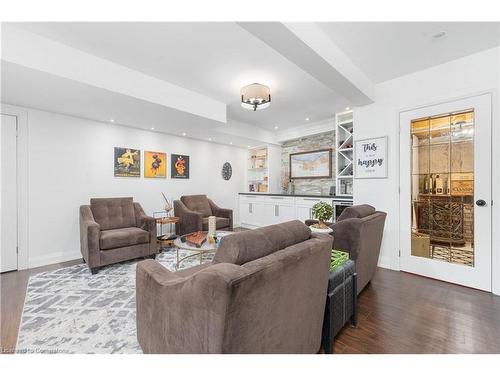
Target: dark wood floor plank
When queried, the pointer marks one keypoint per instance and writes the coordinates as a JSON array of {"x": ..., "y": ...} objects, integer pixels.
[{"x": 398, "y": 313}]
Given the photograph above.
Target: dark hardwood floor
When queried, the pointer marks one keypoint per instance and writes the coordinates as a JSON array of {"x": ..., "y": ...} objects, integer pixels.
[
  {"x": 398, "y": 313},
  {"x": 405, "y": 313}
]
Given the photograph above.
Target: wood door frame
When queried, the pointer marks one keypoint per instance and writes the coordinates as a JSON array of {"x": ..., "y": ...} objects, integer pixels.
[
  {"x": 494, "y": 187},
  {"x": 21, "y": 183}
]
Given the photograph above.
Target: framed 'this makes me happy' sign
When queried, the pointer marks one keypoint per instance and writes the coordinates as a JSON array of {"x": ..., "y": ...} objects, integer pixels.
[{"x": 370, "y": 158}]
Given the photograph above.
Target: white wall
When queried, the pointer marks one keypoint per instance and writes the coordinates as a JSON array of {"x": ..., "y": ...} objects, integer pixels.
[
  {"x": 463, "y": 77},
  {"x": 70, "y": 160}
]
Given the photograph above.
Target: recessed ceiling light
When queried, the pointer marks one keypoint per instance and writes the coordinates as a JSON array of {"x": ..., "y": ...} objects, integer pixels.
[
  {"x": 276, "y": 127},
  {"x": 230, "y": 143},
  {"x": 183, "y": 134},
  {"x": 347, "y": 108},
  {"x": 248, "y": 146},
  {"x": 112, "y": 120},
  {"x": 307, "y": 118},
  {"x": 439, "y": 34},
  {"x": 152, "y": 128},
  {"x": 209, "y": 139}
]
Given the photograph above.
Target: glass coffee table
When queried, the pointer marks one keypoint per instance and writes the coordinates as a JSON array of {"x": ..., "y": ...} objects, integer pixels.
[{"x": 204, "y": 249}]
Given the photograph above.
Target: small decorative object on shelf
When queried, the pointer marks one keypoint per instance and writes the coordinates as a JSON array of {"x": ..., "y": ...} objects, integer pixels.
[{"x": 323, "y": 212}]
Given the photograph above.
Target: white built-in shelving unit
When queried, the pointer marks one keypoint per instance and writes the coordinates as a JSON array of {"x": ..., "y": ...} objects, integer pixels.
[
  {"x": 263, "y": 169},
  {"x": 344, "y": 153}
]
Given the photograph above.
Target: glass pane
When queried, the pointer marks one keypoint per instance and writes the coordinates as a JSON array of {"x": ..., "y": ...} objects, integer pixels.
[
  {"x": 420, "y": 160},
  {"x": 440, "y": 158},
  {"x": 442, "y": 188},
  {"x": 420, "y": 132},
  {"x": 440, "y": 130}
]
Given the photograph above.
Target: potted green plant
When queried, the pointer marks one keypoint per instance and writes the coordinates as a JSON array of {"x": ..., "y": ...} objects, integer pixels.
[{"x": 322, "y": 211}]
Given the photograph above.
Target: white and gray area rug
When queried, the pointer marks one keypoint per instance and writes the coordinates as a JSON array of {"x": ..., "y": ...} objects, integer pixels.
[{"x": 72, "y": 311}]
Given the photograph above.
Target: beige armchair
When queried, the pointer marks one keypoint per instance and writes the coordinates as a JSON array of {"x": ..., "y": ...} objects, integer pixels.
[{"x": 113, "y": 230}]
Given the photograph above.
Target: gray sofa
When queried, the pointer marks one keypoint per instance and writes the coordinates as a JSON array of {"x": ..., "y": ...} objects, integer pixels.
[
  {"x": 114, "y": 230},
  {"x": 359, "y": 231},
  {"x": 193, "y": 212},
  {"x": 264, "y": 292}
]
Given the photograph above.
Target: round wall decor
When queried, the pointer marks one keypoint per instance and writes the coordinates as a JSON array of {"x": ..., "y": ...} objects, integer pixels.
[{"x": 227, "y": 171}]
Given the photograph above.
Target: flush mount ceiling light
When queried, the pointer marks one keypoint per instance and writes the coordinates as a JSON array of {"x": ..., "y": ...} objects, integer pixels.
[{"x": 255, "y": 96}]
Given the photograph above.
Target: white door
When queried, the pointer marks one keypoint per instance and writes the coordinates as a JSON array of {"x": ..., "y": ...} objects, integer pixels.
[
  {"x": 8, "y": 202},
  {"x": 445, "y": 198}
]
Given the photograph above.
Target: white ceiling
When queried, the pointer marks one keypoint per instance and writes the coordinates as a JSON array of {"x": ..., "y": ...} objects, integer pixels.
[
  {"x": 386, "y": 50},
  {"x": 31, "y": 88},
  {"x": 215, "y": 59}
]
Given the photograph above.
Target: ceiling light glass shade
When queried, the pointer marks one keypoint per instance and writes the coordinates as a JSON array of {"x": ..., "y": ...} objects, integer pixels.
[{"x": 255, "y": 96}]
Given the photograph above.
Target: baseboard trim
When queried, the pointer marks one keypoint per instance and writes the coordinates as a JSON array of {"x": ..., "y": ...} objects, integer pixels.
[{"x": 53, "y": 258}]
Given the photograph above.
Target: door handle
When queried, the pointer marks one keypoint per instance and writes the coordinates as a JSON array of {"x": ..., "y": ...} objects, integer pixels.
[{"x": 480, "y": 202}]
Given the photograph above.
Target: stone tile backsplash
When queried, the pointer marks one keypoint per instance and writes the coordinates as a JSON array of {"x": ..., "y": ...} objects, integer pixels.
[{"x": 310, "y": 143}]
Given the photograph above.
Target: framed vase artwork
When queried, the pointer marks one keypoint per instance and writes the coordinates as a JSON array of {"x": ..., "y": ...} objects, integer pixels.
[
  {"x": 370, "y": 158},
  {"x": 311, "y": 164},
  {"x": 127, "y": 162},
  {"x": 179, "y": 166},
  {"x": 155, "y": 164}
]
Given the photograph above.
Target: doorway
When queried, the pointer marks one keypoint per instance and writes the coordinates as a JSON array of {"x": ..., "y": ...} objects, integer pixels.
[
  {"x": 8, "y": 202},
  {"x": 445, "y": 198}
]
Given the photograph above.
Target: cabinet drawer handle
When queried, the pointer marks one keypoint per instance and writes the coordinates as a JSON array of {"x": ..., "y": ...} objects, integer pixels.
[
  {"x": 276, "y": 210},
  {"x": 250, "y": 208}
]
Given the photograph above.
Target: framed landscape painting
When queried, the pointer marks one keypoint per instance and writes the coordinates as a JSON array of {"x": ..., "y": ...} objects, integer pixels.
[
  {"x": 311, "y": 164},
  {"x": 179, "y": 166},
  {"x": 127, "y": 162},
  {"x": 155, "y": 164}
]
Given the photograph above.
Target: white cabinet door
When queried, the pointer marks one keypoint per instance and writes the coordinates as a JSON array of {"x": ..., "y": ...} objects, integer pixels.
[
  {"x": 264, "y": 214},
  {"x": 255, "y": 213},
  {"x": 303, "y": 213},
  {"x": 244, "y": 213},
  {"x": 283, "y": 212}
]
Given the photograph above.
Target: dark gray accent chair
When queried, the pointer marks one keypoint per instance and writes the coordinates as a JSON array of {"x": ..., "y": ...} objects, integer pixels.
[
  {"x": 359, "y": 230},
  {"x": 193, "y": 212},
  {"x": 113, "y": 230},
  {"x": 264, "y": 292}
]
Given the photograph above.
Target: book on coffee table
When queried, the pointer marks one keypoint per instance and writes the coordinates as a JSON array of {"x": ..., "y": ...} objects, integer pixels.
[{"x": 196, "y": 239}]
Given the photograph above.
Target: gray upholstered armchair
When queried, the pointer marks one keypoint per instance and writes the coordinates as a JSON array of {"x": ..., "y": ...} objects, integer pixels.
[
  {"x": 359, "y": 231},
  {"x": 193, "y": 212},
  {"x": 113, "y": 230},
  {"x": 264, "y": 292}
]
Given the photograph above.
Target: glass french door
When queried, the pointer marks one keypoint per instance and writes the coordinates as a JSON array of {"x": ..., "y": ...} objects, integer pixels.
[{"x": 445, "y": 199}]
